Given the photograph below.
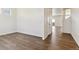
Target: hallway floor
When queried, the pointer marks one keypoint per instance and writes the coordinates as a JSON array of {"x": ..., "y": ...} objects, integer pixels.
[
  {"x": 61, "y": 41},
  {"x": 56, "y": 41}
]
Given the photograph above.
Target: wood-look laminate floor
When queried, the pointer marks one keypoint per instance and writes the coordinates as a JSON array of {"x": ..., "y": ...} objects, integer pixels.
[{"x": 56, "y": 41}]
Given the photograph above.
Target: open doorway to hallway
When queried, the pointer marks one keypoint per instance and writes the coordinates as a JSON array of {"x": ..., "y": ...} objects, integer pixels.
[
  {"x": 60, "y": 40},
  {"x": 61, "y": 18},
  {"x": 57, "y": 20}
]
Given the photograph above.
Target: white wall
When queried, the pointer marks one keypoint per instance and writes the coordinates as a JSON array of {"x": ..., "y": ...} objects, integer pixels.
[
  {"x": 67, "y": 22},
  {"x": 75, "y": 24},
  {"x": 7, "y": 23},
  {"x": 25, "y": 20},
  {"x": 30, "y": 21},
  {"x": 67, "y": 25},
  {"x": 58, "y": 20}
]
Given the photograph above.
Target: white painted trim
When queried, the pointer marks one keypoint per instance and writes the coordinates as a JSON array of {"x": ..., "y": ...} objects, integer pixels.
[
  {"x": 43, "y": 38},
  {"x": 75, "y": 38},
  {"x": 6, "y": 33},
  {"x": 29, "y": 34}
]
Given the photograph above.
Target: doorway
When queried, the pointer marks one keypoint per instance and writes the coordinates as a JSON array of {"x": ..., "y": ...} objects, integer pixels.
[
  {"x": 58, "y": 39},
  {"x": 57, "y": 20}
]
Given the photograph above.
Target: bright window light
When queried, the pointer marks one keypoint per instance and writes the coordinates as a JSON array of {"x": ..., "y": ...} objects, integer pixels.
[{"x": 53, "y": 20}]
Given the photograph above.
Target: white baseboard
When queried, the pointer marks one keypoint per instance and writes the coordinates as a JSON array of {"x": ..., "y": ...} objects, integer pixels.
[
  {"x": 76, "y": 38},
  {"x": 6, "y": 33},
  {"x": 43, "y": 38},
  {"x": 29, "y": 34}
]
